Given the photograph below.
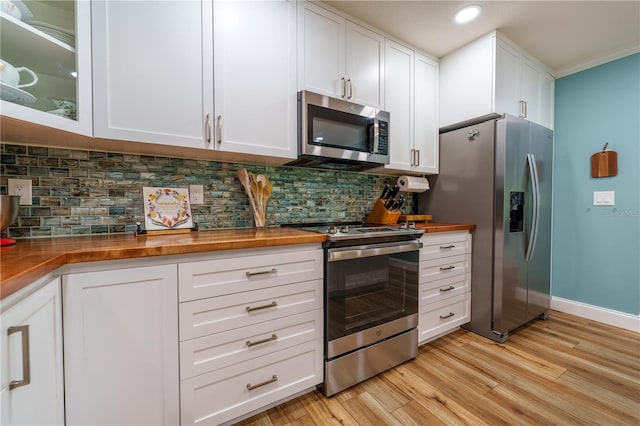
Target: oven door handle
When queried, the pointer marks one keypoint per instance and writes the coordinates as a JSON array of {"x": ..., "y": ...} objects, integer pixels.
[{"x": 335, "y": 255}]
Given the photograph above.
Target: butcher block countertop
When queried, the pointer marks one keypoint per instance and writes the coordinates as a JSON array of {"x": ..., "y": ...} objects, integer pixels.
[{"x": 31, "y": 259}]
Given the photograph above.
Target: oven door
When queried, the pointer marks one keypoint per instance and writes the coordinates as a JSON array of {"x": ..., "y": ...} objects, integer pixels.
[{"x": 371, "y": 294}]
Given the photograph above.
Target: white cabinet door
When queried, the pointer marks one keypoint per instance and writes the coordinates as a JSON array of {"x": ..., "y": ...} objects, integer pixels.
[
  {"x": 399, "y": 92},
  {"x": 255, "y": 77},
  {"x": 61, "y": 97},
  {"x": 121, "y": 346},
  {"x": 321, "y": 54},
  {"x": 364, "y": 65},
  {"x": 426, "y": 136},
  {"x": 507, "y": 80},
  {"x": 149, "y": 84},
  {"x": 339, "y": 58},
  {"x": 547, "y": 91},
  {"x": 411, "y": 97},
  {"x": 36, "y": 320}
]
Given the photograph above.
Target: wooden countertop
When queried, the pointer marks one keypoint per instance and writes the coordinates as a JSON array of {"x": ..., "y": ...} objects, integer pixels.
[
  {"x": 29, "y": 260},
  {"x": 430, "y": 227}
]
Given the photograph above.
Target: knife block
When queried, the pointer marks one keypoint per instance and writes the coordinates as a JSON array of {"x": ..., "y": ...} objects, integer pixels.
[{"x": 381, "y": 216}]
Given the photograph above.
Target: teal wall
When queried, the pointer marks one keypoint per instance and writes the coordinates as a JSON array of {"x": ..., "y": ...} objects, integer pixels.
[{"x": 596, "y": 249}]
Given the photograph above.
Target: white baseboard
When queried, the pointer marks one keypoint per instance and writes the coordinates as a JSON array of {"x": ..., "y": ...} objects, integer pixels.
[{"x": 596, "y": 313}]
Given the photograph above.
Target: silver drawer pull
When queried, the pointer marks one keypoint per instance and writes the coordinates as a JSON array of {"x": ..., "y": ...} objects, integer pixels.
[
  {"x": 257, "y": 308},
  {"x": 447, "y": 268},
  {"x": 448, "y": 247},
  {"x": 447, "y": 316},
  {"x": 270, "y": 271},
  {"x": 26, "y": 359},
  {"x": 258, "y": 342},
  {"x": 447, "y": 289},
  {"x": 273, "y": 379}
]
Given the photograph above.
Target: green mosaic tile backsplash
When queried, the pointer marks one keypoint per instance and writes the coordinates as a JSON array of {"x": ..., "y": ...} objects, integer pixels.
[{"x": 77, "y": 192}]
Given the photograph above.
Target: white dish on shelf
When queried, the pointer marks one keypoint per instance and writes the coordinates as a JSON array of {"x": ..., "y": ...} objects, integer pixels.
[
  {"x": 24, "y": 10},
  {"x": 13, "y": 94},
  {"x": 62, "y": 34}
]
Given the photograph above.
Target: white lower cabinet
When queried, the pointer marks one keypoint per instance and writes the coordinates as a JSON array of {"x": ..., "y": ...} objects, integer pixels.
[
  {"x": 37, "y": 322},
  {"x": 121, "y": 346},
  {"x": 256, "y": 338},
  {"x": 445, "y": 284}
]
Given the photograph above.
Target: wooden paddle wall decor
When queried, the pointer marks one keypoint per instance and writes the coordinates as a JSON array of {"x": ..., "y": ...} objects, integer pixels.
[{"x": 604, "y": 163}]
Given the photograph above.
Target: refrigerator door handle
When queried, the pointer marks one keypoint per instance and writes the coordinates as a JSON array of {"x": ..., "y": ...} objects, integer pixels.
[{"x": 535, "y": 187}]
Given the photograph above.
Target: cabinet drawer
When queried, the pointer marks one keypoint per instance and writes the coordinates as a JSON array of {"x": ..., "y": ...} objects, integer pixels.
[
  {"x": 224, "y": 394},
  {"x": 445, "y": 267},
  {"x": 252, "y": 271},
  {"x": 198, "y": 356},
  {"x": 444, "y": 316},
  {"x": 214, "y": 315},
  {"x": 447, "y": 244},
  {"x": 434, "y": 291}
]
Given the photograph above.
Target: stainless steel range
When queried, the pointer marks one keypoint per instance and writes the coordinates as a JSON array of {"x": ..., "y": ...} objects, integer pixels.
[{"x": 371, "y": 299}]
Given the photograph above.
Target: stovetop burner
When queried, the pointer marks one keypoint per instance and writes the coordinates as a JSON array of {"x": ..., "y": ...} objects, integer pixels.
[{"x": 359, "y": 232}]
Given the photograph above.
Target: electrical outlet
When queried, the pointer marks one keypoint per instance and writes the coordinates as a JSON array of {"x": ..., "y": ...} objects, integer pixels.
[
  {"x": 604, "y": 198},
  {"x": 21, "y": 187},
  {"x": 196, "y": 194}
]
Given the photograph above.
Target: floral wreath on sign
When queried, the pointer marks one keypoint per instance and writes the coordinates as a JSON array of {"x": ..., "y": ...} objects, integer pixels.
[{"x": 162, "y": 218}]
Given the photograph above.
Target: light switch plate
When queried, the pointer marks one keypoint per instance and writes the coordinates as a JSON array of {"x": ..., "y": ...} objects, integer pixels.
[
  {"x": 196, "y": 194},
  {"x": 604, "y": 198},
  {"x": 21, "y": 187}
]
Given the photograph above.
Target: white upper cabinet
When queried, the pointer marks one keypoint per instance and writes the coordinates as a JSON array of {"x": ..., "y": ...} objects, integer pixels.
[
  {"x": 339, "y": 58},
  {"x": 493, "y": 75},
  {"x": 411, "y": 97},
  {"x": 46, "y": 64},
  {"x": 149, "y": 79},
  {"x": 255, "y": 77}
]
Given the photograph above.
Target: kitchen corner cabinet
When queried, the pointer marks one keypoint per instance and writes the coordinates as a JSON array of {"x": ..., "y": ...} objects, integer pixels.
[
  {"x": 251, "y": 330},
  {"x": 37, "y": 321},
  {"x": 254, "y": 57},
  {"x": 411, "y": 97},
  {"x": 445, "y": 284},
  {"x": 50, "y": 44},
  {"x": 151, "y": 85},
  {"x": 339, "y": 58},
  {"x": 121, "y": 346},
  {"x": 493, "y": 75}
]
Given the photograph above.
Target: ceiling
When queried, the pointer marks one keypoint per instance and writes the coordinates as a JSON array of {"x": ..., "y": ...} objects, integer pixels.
[{"x": 567, "y": 36}]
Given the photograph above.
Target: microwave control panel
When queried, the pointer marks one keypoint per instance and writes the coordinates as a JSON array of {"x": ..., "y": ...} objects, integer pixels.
[{"x": 383, "y": 138}]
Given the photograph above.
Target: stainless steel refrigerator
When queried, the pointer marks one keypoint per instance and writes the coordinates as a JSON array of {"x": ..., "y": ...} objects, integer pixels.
[{"x": 496, "y": 173}]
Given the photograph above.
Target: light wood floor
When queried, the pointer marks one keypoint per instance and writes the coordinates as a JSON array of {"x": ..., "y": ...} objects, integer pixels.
[{"x": 563, "y": 371}]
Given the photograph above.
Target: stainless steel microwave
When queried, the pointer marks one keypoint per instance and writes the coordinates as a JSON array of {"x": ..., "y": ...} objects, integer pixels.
[{"x": 340, "y": 135}]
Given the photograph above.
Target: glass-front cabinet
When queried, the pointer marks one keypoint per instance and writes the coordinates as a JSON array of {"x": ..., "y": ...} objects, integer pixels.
[{"x": 45, "y": 48}]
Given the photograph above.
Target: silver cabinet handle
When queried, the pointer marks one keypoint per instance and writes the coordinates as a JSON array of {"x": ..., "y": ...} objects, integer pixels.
[
  {"x": 418, "y": 156},
  {"x": 350, "y": 87},
  {"x": 447, "y": 289},
  {"x": 344, "y": 86},
  {"x": 450, "y": 246},
  {"x": 26, "y": 359},
  {"x": 472, "y": 134},
  {"x": 273, "y": 379},
  {"x": 219, "y": 129},
  {"x": 447, "y": 268},
  {"x": 413, "y": 157},
  {"x": 259, "y": 342},
  {"x": 257, "y": 308},
  {"x": 447, "y": 316},
  {"x": 523, "y": 109},
  {"x": 209, "y": 128},
  {"x": 271, "y": 271}
]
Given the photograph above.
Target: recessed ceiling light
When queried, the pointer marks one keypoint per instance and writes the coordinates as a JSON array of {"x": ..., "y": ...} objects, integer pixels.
[{"x": 467, "y": 13}]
